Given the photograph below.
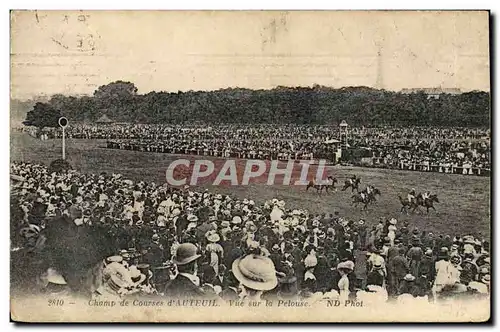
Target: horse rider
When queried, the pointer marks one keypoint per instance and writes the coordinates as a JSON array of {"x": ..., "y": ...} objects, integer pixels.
[
  {"x": 369, "y": 190},
  {"x": 411, "y": 195},
  {"x": 353, "y": 179},
  {"x": 366, "y": 193},
  {"x": 426, "y": 195}
]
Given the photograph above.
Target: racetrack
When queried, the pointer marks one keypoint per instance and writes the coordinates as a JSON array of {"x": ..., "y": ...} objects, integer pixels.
[{"x": 464, "y": 200}]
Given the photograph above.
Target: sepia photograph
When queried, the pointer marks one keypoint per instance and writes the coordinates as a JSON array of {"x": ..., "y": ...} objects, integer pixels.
[{"x": 250, "y": 166}]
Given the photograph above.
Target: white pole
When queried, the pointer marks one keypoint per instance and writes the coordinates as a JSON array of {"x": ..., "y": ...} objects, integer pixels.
[{"x": 63, "y": 145}]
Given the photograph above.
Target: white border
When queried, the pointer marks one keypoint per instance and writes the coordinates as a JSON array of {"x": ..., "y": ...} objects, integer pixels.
[{"x": 188, "y": 4}]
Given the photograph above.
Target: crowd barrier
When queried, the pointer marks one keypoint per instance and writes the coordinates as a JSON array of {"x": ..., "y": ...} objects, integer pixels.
[{"x": 437, "y": 168}]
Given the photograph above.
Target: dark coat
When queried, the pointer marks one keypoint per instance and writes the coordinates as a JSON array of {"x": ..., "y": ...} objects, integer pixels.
[
  {"x": 397, "y": 267},
  {"x": 182, "y": 287},
  {"x": 375, "y": 278},
  {"x": 229, "y": 294}
]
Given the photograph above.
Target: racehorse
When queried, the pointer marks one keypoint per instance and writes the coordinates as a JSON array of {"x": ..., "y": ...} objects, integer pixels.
[
  {"x": 418, "y": 201},
  {"x": 426, "y": 203},
  {"x": 372, "y": 196},
  {"x": 357, "y": 198},
  {"x": 405, "y": 204},
  {"x": 354, "y": 184},
  {"x": 330, "y": 182},
  {"x": 365, "y": 198}
]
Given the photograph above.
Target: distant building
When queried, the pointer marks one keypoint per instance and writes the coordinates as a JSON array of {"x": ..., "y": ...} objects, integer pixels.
[{"x": 433, "y": 93}]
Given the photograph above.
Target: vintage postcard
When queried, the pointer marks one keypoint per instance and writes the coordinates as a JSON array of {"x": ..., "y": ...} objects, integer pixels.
[{"x": 250, "y": 166}]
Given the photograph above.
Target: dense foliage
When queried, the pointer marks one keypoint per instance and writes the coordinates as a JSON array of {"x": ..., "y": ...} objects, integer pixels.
[{"x": 301, "y": 105}]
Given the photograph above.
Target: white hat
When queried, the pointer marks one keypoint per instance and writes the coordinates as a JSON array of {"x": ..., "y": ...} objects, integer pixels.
[
  {"x": 255, "y": 272},
  {"x": 55, "y": 277},
  {"x": 409, "y": 277},
  {"x": 479, "y": 286},
  {"x": 393, "y": 221},
  {"x": 236, "y": 220},
  {"x": 192, "y": 218},
  {"x": 310, "y": 261},
  {"x": 212, "y": 236},
  {"x": 176, "y": 212}
]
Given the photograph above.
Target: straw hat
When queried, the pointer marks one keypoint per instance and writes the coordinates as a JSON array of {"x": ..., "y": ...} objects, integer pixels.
[
  {"x": 55, "y": 277},
  {"x": 255, "y": 272},
  {"x": 111, "y": 259},
  {"x": 212, "y": 236},
  {"x": 409, "y": 277},
  {"x": 192, "y": 218},
  {"x": 236, "y": 220},
  {"x": 345, "y": 265},
  {"x": 310, "y": 261},
  {"x": 185, "y": 254}
]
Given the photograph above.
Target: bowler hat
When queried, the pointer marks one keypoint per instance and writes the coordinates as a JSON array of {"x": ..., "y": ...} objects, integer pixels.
[{"x": 185, "y": 254}]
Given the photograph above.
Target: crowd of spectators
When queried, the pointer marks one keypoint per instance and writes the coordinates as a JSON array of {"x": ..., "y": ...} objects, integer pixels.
[
  {"x": 446, "y": 150},
  {"x": 223, "y": 248}
]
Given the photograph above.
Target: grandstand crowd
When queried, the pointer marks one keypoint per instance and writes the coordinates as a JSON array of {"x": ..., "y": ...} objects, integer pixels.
[
  {"x": 446, "y": 150},
  {"x": 149, "y": 240}
]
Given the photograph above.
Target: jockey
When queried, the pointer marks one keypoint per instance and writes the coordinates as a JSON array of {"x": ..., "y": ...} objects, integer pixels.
[
  {"x": 426, "y": 196},
  {"x": 353, "y": 178},
  {"x": 366, "y": 193},
  {"x": 411, "y": 195},
  {"x": 369, "y": 189}
]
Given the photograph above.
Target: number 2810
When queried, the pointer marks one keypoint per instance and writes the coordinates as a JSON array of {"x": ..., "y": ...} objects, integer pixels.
[{"x": 55, "y": 303}]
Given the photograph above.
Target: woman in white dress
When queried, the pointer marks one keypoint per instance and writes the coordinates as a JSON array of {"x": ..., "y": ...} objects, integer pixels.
[{"x": 214, "y": 249}]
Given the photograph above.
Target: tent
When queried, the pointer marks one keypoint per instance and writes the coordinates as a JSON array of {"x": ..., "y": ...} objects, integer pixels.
[{"x": 104, "y": 120}]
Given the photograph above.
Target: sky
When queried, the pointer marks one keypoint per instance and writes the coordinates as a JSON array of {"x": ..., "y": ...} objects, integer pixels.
[{"x": 74, "y": 52}]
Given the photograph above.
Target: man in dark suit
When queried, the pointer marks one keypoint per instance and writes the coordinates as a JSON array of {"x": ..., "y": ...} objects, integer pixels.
[{"x": 186, "y": 285}]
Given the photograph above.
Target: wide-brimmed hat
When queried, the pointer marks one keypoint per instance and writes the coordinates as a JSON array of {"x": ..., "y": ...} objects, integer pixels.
[
  {"x": 251, "y": 228},
  {"x": 192, "y": 218},
  {"x": 54, "y": 277},
  {"x": 136, "y": 276},
  {"x": 310, "y": 261},
  {"x": 185, "y": 254},
  {"x": 361, "y": 222},
  {"x": 225, "y": 223},
  {"x": 111, "y": 259},
  {"x": 468, "y": 239},
  {"x": 255, "y": 272},
  {"x": 409, "y": 277},
  {"x": 236, "y": 220},
  {"x": 348, "y": 265},
  {"x": 478, "y": 287},
  {"x": 212, "y": 236}
]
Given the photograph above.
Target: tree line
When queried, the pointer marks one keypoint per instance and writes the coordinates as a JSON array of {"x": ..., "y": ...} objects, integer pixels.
[{"x": 359, "y": 106}]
